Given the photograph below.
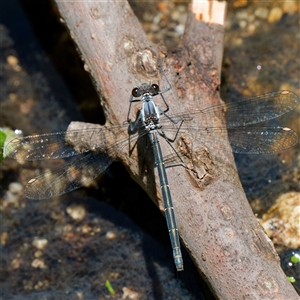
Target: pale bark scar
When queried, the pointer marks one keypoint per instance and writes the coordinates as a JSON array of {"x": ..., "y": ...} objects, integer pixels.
[{"x": 199, "y": 164}]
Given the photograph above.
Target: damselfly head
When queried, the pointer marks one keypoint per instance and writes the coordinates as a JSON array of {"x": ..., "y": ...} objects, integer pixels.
[{"x": 145, "y": 88}]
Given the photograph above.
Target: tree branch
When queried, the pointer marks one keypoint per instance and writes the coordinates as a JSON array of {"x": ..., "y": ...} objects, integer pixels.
[{"x": 215, "y": 221}]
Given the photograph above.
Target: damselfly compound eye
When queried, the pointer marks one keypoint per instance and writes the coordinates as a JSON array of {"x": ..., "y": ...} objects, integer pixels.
[
  {"x": 135, "y": 92},
  {"x": 154, "y": 89}
]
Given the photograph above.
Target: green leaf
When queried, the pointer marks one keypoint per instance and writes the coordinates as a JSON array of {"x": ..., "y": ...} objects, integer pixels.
[
  {"x": 10, "y": 134},
  {"x": 109, "y": 287},
  {"x": 295, "y": 259},
  {"x": 2, "y": 140},
  {"x": 291, "y": 279}
]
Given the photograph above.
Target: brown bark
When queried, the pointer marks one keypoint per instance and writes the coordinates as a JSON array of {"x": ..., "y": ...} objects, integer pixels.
[{"x": 215, "y": 221}]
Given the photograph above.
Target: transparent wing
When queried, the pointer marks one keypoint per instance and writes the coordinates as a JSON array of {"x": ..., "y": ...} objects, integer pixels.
[
  {"x": 75, "y": 174},
  {"x": 67, "y": 177},
  {"x": 58, "y": 145},
  {"x": 245, "y": 111},
  {"x": 248, "y": 111},
  {"x": 61, "y": 144},
  {"x": 257, "y": 140},
  {"x": 243, "y": 140},
  {"x": 97, "y": 141}
]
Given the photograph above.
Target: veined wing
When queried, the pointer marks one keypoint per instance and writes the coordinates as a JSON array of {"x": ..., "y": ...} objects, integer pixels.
[
  {"x": 61, "y": 144},
  {"x": 245, "y": 111},
  {"x": 258, "y": 140},
  {"x": 80, "y": 170},
  {"x": 243, "y": 140},
  {"x": 68, "y": 177},
  {"x": 75, "y": 174}
]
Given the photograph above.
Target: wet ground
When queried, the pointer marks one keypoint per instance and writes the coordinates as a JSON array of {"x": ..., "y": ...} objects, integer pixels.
[{"x": 68, "y": 247}]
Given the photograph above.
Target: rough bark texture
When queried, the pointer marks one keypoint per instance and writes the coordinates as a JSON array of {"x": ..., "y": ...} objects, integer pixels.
[{"x": 215, "y": 221}]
